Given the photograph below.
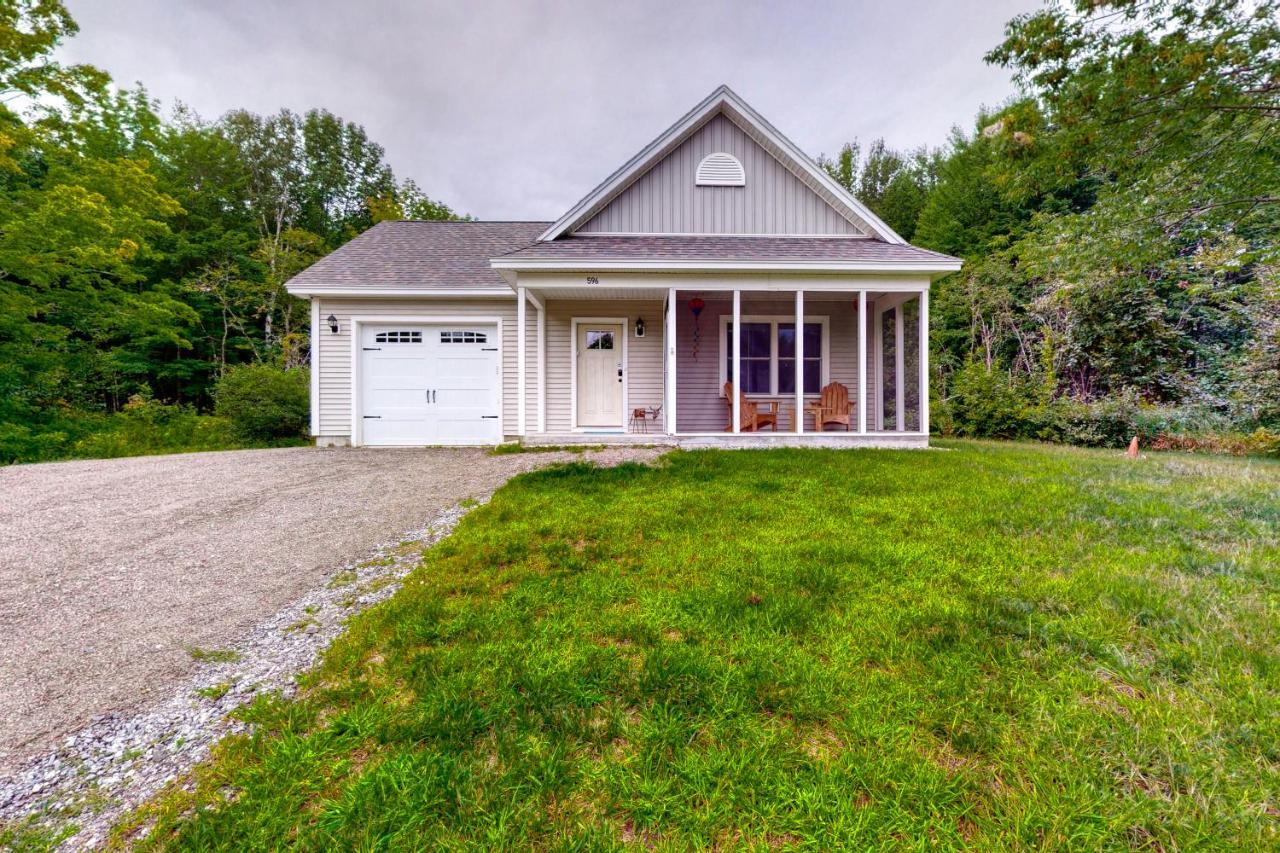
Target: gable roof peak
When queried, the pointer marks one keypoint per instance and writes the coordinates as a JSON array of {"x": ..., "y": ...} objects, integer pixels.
[{"x": 724, "y": 100}]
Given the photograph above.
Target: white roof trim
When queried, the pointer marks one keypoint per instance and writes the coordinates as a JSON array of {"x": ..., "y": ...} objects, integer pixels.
[
  {"x": 589, "y": 264},
  {"x": 714, "y": 103},
  {"x": 398, "y": 291}
]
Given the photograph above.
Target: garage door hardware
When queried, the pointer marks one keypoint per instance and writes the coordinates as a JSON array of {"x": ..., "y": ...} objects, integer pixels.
[
  {"x": 488, "y": 349},
  {"x": 374, "y": 417},
  {"x": 488, "y": 417},
  {"x": 369, "y": 349}
]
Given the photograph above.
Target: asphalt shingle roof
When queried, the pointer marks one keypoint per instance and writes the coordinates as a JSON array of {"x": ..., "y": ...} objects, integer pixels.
[
  {"x": 455, "y": 255},
  {"x": 723, "y": 248},
  {"x": 420, "y": 255}
]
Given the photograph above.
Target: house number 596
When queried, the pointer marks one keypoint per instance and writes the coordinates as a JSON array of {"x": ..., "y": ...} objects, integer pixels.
[{"x": 592, "y": 280}]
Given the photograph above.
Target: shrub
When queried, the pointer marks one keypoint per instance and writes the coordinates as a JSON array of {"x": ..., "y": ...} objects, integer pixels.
[
  {"x": 145, "y": 426},
  {"x": 264, "y": 403},
  {"x": 989, "y": 403}
]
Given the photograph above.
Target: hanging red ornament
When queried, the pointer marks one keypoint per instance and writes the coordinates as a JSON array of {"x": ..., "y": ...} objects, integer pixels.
[{"x": 696, "y": 305}]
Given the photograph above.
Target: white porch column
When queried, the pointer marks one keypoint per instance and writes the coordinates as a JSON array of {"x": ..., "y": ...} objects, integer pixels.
[
  {"x": 924, "y": 361},
  {"x": 541, "y": 344},
  {"x": 313, "y": 363},
  {"x": 862, "y": 362},
  {"x": 670, "y": 341},
  {"x": 800, "y": 364},
  {"x": 737, "y": 361},
  {"x": 899, "y": 387},
  {"x": 542, "y": 367},
  {"x": 520, "y": 361}
]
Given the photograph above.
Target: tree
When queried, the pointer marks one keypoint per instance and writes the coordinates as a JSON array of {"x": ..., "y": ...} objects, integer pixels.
[{"x": 893, "y": 184}]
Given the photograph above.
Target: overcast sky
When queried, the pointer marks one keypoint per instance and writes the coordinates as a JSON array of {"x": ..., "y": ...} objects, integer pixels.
[{"x": 514, "y": 110}]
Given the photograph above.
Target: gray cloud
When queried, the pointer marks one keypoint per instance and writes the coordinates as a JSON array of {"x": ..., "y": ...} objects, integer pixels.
[{"x": 514, "y": 110}]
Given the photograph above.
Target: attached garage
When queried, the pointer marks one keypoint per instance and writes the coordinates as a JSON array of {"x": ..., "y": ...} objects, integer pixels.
[{"x": 427, "y": 383}]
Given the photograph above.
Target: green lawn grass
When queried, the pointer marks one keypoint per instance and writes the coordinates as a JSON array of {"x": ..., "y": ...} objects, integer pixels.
[{"x": 987, "y": 646}]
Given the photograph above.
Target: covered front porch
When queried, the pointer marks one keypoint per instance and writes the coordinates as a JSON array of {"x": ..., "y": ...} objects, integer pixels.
[{"x": 651, "y": 362}]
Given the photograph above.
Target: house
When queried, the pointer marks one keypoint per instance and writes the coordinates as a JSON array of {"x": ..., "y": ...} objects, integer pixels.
[{"x": 616, "y": 322}]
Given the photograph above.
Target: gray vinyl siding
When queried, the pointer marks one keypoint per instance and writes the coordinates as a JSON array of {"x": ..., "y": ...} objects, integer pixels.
[
  {"x": 665, "y": 200},
  {"x": 335, "y": 359},
  {"x": 644, "y": 355}
]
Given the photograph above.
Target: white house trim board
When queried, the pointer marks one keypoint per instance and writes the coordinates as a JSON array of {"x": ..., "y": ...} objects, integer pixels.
[
  {"x": 520, "y": 362},
  {"x": 658, "y": 283},
  {"x": 799, "y": 324},
  {"x": 862, "y": 362},
  {"x": 722, "y": 100},
  {"x": 313, "y": 359},
  {"x": 737, "y": 363},
  {"x": 670, "y": 348},
  {"x": 573, "y": 368},
  {"x": 588, "y": 265},
  {"x": 359, "y": 320},
  {"x": 399, "y": 292}
]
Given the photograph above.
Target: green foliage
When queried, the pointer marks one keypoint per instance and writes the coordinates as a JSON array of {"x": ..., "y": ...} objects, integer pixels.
[
  {"x": 989, "y": 403},
  {"x": 1124, "y": 209},
  {"x": 893, "y": 184},
  {"x": 141, "y": 427},
  {"x": 144, "y": 256},
  {"x": 1037, "y": 647},
  {"x": 265, "y": 403}
]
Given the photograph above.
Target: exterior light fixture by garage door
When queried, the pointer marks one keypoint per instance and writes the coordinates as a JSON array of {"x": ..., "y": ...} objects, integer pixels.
[
  {"x": 333, "y": 323},
  {"x": 639, "y": 327}
]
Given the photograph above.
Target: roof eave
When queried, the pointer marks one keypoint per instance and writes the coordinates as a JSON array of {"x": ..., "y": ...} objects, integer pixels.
[
  {"x": 357, "y": 291},
  {"x": 939, "y": 267}
]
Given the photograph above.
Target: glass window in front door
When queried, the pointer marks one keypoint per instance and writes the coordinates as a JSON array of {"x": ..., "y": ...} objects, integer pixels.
[{"x": 599, "y": 339}]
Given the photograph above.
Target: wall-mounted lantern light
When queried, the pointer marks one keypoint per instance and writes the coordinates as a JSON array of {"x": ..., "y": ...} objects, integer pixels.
[
  {"x": 639, "y": 327},
  {"x": 333, "y": 324}
]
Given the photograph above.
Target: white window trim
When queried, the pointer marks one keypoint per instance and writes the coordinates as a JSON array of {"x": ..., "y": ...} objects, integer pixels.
[
  {"x": 774, "y": 319},
  {"x": 573, "y": 371}
]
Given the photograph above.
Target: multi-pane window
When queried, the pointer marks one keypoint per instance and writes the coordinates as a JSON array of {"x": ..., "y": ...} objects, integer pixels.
[
  {"x": 757, "y": 357},
  {"x": 463, "y": 338},
  {"x": 398, "y": 338},
  {"x": 768, "y": 356},
  {"x": 787, "y": 358}
]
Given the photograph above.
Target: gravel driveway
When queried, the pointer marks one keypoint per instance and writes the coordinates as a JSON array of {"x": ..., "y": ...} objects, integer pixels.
[{"x": 110, "y": 570}]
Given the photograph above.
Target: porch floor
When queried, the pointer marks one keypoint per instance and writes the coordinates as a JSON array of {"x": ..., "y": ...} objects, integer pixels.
[{"x": 884, "y": 439}]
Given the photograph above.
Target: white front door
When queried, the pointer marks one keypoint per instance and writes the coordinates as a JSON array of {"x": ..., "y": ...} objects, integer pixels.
[
  {"x": 598, "y": 373},
  {"x": 429, "y": 384}
]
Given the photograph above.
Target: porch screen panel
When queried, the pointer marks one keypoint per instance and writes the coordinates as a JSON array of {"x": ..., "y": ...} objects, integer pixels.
[
  {"x": 911, "y": 364},
  {"x": 888, "y": 362}
]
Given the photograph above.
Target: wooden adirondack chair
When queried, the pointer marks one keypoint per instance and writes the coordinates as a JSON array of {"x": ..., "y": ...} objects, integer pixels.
[
  {"x": 755, "y": 415},
  {"x": 833, "y": 407}
]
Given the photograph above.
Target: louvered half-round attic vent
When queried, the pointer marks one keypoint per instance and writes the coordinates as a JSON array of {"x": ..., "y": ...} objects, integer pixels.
[{"x": 720, "y": 170}]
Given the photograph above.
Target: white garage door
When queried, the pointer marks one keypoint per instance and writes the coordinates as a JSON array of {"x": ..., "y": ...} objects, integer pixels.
[{"x": 430, "y": 384}]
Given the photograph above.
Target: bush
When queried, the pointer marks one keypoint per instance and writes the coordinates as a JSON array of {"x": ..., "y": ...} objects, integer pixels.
[
  {"x": 992, "y": 404},
  {"x": 265, "y": 403},
  {"x": 989, "y": 403},
  {"x": 145, "y": 426}
]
